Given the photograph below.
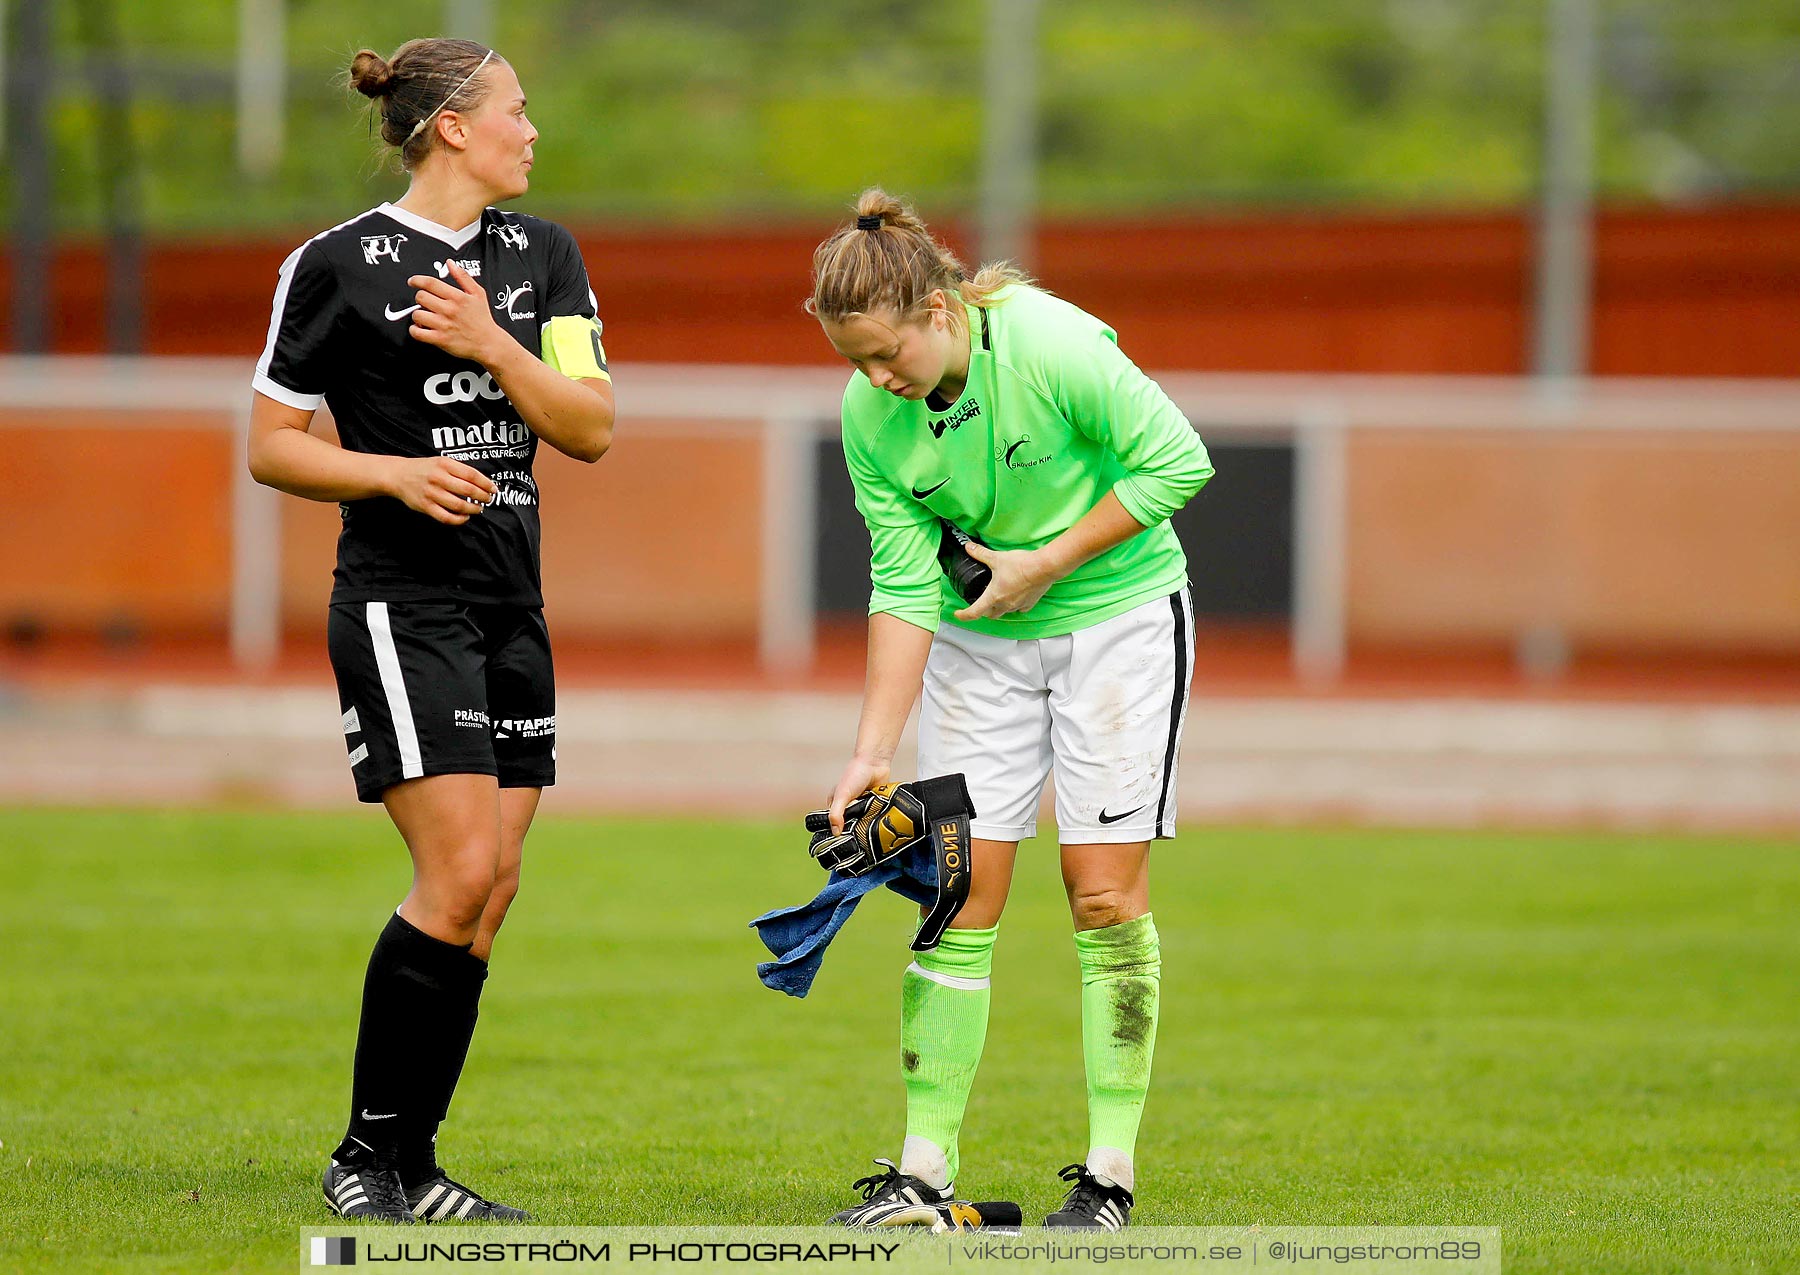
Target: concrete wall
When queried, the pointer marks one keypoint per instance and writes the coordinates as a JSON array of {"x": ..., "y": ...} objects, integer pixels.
[{"x": 1626, "y": 540}]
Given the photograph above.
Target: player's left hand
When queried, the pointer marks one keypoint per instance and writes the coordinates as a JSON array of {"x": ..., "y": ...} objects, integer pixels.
[
  {"x": 454, "y": 315},
  {"x": 1020, "y": 579}
]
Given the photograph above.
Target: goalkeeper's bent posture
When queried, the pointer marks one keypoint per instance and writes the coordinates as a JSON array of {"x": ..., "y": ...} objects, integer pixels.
[{"x": 1013, "y": 415}]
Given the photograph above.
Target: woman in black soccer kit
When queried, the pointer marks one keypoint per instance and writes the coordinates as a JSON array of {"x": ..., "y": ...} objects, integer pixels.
[{"x": 447, "y": 338}]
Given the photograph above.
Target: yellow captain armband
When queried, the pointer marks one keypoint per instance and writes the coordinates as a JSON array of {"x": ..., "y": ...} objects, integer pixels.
[{"x": 572, "y": 346}]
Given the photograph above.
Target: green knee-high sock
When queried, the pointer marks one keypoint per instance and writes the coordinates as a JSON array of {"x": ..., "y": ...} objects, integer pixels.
[
  {"x": 1121, "y": 976},
  {"x": 943, "y": 1025}
]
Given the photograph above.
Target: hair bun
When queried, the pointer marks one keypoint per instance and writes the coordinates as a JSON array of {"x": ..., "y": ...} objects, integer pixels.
[
  {"x": 878, "y": 210},
  {"x": 371, "y": 75}
]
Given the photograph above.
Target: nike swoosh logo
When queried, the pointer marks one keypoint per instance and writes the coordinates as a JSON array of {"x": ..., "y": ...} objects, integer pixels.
[
  {"x": 389, "y": 1116},
  {"x": 920, "y": 495},
  {"x": 1106, "y": 818},
  {"x": 398, "y": 314}
]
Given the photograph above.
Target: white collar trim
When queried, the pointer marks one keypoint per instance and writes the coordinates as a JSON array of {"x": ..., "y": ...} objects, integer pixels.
[{"x": 412, "y": 221}]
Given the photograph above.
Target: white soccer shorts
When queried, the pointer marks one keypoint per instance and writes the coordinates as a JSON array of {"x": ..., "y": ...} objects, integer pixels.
[{"x": 1102, "y": 708}]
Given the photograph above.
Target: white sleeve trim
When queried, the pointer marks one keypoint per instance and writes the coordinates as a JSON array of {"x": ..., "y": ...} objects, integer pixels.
[
  {"x": 281, "y": 291},
  {"x": 282, "y": 394},
  {"x": 261, "y": 381}
]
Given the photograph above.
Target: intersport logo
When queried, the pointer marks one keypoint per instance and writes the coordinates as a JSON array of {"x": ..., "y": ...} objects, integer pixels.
[
  {"x": 462, "y": 387},
  {"x": 957, "y": 419}
]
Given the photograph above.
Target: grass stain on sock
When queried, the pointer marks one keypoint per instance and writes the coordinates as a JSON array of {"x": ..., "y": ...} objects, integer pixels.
[{"x": 1134, "y": 1017}]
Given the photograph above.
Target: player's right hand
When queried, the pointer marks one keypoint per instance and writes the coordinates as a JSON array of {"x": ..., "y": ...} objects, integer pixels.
[
  {"x": 441, "y": 488},
  {"x": 859, "y": 776}
]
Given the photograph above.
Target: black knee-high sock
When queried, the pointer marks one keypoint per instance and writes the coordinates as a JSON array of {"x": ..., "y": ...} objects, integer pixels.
[
  {"x": 415, "y": 985},
  {"x": 418, "y": 1152}
]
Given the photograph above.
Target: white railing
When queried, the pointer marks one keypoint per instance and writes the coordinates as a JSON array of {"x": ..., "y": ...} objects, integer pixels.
[{"x": 791, "y": 408}]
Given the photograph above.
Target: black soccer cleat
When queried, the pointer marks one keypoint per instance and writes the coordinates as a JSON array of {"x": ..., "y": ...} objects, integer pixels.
[
  {"x": 888, "y": 1195},
  {"x": 439, "y": 1199},
  {"x": 1094, "y": 1203},
  {"x": 367, "y": 1192}
]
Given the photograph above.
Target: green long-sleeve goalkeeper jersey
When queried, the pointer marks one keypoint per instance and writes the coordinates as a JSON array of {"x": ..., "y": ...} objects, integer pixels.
[{"x": 1054, "y": 416}]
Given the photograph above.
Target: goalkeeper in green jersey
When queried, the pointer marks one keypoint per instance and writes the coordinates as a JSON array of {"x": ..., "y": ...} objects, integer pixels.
[{"x": 990, "y": 407}]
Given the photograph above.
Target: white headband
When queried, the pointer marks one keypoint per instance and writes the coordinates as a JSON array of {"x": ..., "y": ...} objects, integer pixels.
[{"x": 453, "y": 92}]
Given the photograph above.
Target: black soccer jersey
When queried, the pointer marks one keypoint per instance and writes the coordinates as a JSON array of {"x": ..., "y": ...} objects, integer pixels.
[{"x": 340, "y": 334}]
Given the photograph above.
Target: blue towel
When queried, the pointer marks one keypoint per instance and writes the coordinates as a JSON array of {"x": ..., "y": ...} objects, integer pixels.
[{"x": 799, "y": 936}]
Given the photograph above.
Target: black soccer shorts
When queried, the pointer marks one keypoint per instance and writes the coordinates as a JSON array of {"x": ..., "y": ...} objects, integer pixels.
[{"x": 444, "y": 688}]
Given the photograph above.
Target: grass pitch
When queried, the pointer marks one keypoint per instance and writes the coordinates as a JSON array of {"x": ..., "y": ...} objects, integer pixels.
[{"x": 1589, "y": 1041}]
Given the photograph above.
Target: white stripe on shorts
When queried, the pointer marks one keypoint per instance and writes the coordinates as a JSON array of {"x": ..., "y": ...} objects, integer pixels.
[{"x": 387, "y": 659}]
